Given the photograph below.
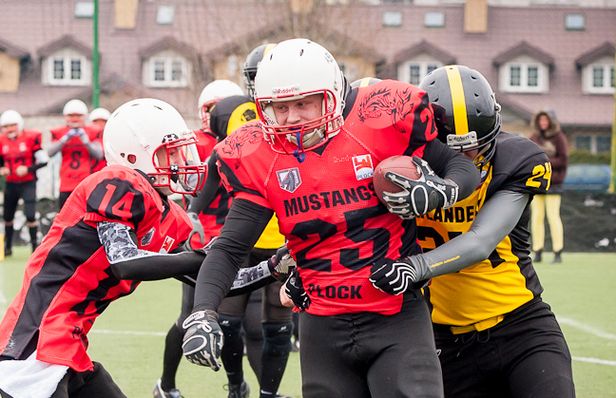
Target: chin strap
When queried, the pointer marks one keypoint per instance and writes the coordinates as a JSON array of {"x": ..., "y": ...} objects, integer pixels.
[{"x": 300, "y": 156}]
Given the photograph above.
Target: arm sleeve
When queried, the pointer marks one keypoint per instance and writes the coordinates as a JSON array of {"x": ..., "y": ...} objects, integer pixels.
[
  {"x": 55, "y": 147},
  {"x": 452, "y": 165},
  {"x": 40, "y": 160},
  {"x": 95, "y": 150},
  {"x": 243, "y": 226},
  {"x": 494, "y": 221},
  {"x": 210, "y": 188}
]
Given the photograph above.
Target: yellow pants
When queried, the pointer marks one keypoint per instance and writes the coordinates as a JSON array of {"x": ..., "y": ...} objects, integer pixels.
[{"x": 542, "y": 206}]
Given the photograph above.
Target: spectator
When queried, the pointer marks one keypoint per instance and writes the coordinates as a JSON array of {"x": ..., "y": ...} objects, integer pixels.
[
  {"x": 553, "y": 141},
  {"x": 20, "y": 156},
  {"x": 79, "y": 144},
  {"x": 98, "y": 118}
]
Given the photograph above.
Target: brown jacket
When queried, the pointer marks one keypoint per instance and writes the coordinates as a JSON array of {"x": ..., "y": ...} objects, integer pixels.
[{"x": 554, "y": 142}]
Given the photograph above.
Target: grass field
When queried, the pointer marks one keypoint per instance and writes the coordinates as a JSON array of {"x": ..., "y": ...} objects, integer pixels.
[{"x": 128, "y": 338}]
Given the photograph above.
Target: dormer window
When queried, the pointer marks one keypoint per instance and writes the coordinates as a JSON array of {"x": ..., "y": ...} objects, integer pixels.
[
  {"x": 524, "y": 75},
  {"x": 66, "y": 67},
  {"x": 598, "y": 77},
  {"x": 413, "y": 71},
  {"x": 166, "y": 69}
]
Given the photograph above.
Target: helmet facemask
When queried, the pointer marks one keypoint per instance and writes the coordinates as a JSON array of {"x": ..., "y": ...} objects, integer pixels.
[
  {"x": 301, "y": 137},
  {"x": 177, "y": 165}
]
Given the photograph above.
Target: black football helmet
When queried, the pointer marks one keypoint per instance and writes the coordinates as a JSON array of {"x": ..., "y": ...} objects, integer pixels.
[
  {"x": 465, "y": 109},
  {"x": 252, "y": 63}
]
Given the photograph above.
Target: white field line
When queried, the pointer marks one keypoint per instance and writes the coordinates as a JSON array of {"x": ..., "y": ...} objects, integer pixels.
[
  {"x": 586, "y": 328},
  {"x": 128, "y": 332},
  {"x": 596, "y": 361}
]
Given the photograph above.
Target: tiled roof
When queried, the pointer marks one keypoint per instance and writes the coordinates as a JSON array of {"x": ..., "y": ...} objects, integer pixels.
[
  {"x": 606, "y": 49},
  {"x": 524, "y": 48},
  {"x": 13, "y": 50},
  {"x": 66, "y": 41}
]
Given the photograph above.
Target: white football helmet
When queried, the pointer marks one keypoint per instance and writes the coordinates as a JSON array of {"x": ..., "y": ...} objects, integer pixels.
[
  {"x": 10, "y": 117},
  {"x": 150, "y": 135},
  {"x": 99, "y": 114},
  {"x": 75, "y": 107},
  {"x": 295, "y": 69},
  {"x": 214, "y": 92}
]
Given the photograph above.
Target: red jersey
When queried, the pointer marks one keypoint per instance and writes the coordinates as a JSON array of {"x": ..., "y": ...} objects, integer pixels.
[
  {"x": 76, "y": 160},
  {"x": 68, "y": 281},
  {"x": 20, "y": 151},
  {"x": 327, "y": 209},
  {"x": 97, "y": 164},
  {"x": 213, "y": 217}
]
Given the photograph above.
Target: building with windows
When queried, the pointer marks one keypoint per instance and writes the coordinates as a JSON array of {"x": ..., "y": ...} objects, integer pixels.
[{"x": 538, "y": 54}]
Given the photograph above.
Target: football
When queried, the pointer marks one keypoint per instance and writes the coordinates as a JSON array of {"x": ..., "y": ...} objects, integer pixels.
[{"x": 402, "y": 165}]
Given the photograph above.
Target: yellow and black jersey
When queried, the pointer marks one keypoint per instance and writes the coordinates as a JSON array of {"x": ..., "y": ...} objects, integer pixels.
[{"x": 479, "y": 295}]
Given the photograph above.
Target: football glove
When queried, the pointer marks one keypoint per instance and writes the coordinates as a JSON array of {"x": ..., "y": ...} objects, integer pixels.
[
  {"x": 400, "y": 276},
  {"x": 281, "y": 264},
  {"x": 421, "y": 196},
  {"x": 294, "y": 289},
  {"x": 197, "y": 228},
  {"x": 203, "y": 339}
]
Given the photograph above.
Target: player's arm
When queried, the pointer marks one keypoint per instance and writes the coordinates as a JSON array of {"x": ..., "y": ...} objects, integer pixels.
[
  {"x": 57, "y": 144},
  {"x": 446, "y": 177},
  {"x": 95, "y": 149},
  {"x": 494, "y": 222},
  {"x": 203, "y": 336},
  {"x": 129, "y": 262}
]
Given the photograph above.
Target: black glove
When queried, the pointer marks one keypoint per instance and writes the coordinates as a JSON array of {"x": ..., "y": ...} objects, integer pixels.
[
  {"x": 421, "y": 196},
  {"x": 281, "y": 264},
  {"x": 203, "y": 339},
  {"x": 399, "y": 276},
  {"x": 294, "y": 288}
]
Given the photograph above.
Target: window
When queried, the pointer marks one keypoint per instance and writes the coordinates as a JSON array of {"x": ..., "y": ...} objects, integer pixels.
[
  {"x": 164, "y": 15},
  {"x": 84, "y": 9},
  {"x": 583, "y": 142},
  {"x": 515, "y": 73},
  {"x": 599, "y": 77},
  {"x": 415, "y": 70},
  {"x": 604, "y": 143},
  {"x": 166, "y": 70},
  {"x": 392, "y": 18},
  {"x": 575, "y": 22},
  {"x": 58, "y": 69},
  {"x": 66, "y": 67},
  {"x": 524, "y": 75},
  {"x": 434, "y": 19}
]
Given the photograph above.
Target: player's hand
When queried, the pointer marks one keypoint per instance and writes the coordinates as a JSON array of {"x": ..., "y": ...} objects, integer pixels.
[
  {"x": 4, "y": 171},
  {"x": 281, "y": 264},
  {"x": 203, "y": 339},
  {"x": 74, "y": 132},
  {"x": 21, "y": 170},
  {"x": 197, "y": 230},
  {"x": 399, "y": 276},
  {"x": 294, "y": 289},
  {"x": 421, "y": 196}
]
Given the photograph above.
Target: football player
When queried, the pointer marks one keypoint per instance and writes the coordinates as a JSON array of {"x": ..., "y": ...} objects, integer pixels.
[
  {"x": 267, "y": 343},
  {"x": 98, "y": 118},
  {"x": 79, "y": 145},
  {"x": 20, "y": 156},
  {"x": 496, "y": 335},
  {"x": 310, "y": 162},
  {"x": 116, "y": 229}
]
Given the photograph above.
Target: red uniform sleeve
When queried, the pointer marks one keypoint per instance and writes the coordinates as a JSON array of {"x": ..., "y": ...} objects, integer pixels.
[
  {"x": 117, "y": 199},
  {"x": 57, "y": 133},
  {"x": 399, "y": 111},
  {"x": 242, "y": 166}
]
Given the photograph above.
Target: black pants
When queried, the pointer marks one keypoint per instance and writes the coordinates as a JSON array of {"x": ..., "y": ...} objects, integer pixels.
[
  {"x": 525, "y": 355},
  {"x": 370, "y": 355},
  {"x": 90, "y": 384},
  {"x": 12, "y": 193}
]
